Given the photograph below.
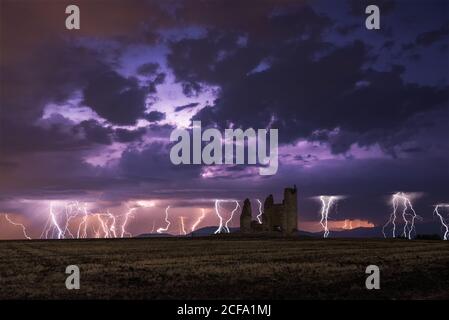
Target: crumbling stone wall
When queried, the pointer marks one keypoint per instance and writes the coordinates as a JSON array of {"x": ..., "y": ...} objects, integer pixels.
[{"x": 276, "y": 217}]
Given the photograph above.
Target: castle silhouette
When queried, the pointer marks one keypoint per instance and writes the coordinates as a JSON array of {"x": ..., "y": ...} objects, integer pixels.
[{"x": 276, "y": 217}]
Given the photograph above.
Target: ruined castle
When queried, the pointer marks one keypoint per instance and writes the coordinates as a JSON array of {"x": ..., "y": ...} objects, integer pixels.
[{"x": 276, "y": 217}]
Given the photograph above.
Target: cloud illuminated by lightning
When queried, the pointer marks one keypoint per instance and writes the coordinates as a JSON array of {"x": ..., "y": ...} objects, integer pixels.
[{"x": 145, "y": 203}]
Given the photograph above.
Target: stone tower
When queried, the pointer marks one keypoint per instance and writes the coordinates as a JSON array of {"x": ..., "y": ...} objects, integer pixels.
[
  {"x": 266, "y": 216},
  {"x": 291, "y": 209},
  {"x": 245, "y": 217}
]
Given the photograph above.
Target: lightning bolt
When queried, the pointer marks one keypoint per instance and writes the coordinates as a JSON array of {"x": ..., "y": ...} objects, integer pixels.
[
  {"x": 260, "y": 212},
  {"x": 198, "y": 221},
  {"x": 54, "y": 220},
  {"x": 61, "y": 227},
  {"x": 128, "y": 214},
  {"x": 444, "y": 223},
  {"x": 183, "y": 229},
  {"x": 217, "y": 211},
  {"x": 224, "y": 226},
  {"x": 103, "y": 225},
  {"x": 160, "y": 230},
  {"x": 96, "y": 233},
  {"x": 232, "y": 215},
  {"x": 17, "y": 224},
  {"x": 112, "y": 228},
  {"x": 59, "y": 223},
  {"x": 408, "y": 218},
  {"x": 82, "y": 227},
  {"x": 326, "y": 204}
]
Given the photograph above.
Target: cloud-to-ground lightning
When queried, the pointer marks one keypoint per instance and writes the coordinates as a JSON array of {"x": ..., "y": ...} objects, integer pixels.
[
  {"x": 407, "y": 217},
  {"x": 198, "y": 221},
  {"x": 74, "y": 221},
  {"x": 55, "y": 223},
  {"x": 259, "y": 216},
  {"x": 231, "y": 216},
  {"x": 160, "y": 230},
  {"x": 444, "y": 222},
  {"x": 224, "y": 226},
  {"x": 17, "y": 224},
  {"x": 108, "y": 224},
  {"x": 183, "y": 227},
  {"x": 326, "y": 205},
  {"x": 58, "y": 223},
  {"x": 112, "y": 227},
  {"x": 128, "y": 214},
  {"x": 220, "y": 218},
  {"x": 82, "y": 227},
  {"x": 103, "y": 226}
]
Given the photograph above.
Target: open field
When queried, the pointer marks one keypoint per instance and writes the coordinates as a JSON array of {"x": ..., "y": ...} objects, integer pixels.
[{"x": 225, "y": 268}]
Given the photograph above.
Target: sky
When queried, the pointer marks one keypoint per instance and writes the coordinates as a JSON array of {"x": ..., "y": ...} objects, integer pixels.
[{"x": 86, "y": 115}]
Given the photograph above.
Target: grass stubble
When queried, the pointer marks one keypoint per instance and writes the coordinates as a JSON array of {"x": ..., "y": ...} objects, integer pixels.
[{"x": 224, "y": 268}]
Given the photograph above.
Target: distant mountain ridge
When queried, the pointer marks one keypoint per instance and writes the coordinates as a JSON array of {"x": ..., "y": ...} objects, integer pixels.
[
  {"x": 427, "y": 228},
  {"x": 154, "y": 235}
]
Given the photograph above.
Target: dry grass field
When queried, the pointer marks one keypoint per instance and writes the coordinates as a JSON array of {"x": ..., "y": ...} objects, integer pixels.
[{"x": 224, "y": 268}]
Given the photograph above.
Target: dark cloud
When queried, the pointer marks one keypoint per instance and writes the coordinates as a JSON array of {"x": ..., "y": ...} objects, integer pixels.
[
  {"x": 304, "y": 89},
  {"x": 125, "y": 135},
  {"x": 148, "y": 69},
  {"x": 220, "y": 57},
  {"x": 187, "y": 106},
  {"x": 155, "y": 116},
  {"x": 357, "y": 7},
  {"x": 153, "y": 74},
  {"x": 51, "y": 74},
  {"x": 157, "y": 80},
  {"x": 118, "y": 99},
  {"x": 242, "y": 16},
  {"x": 153, "y": 165},
  {"x": 428, "y": 38},
  {"x": 129, "y": 21},
  {"x": 94, "y": 132},
  {"x": 347, "y": 29},
  {"x": 18, "y": 139}
]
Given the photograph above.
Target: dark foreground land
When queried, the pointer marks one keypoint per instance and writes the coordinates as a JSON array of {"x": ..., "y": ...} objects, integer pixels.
[{"x": 224, "y": 268}]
